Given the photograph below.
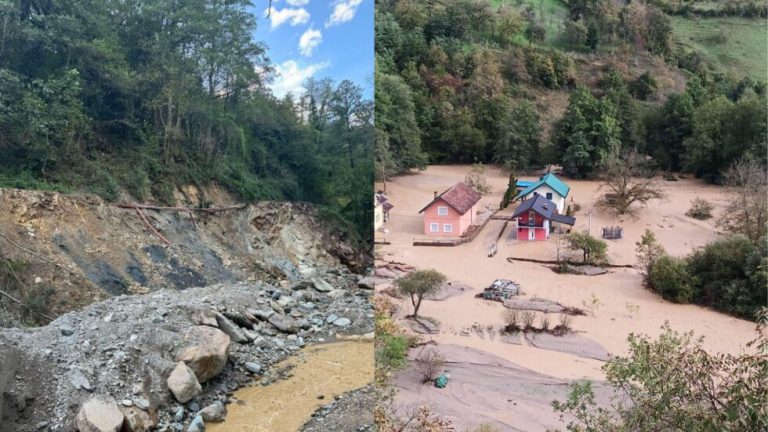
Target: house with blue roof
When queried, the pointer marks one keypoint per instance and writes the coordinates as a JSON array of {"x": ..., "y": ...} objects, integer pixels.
[{"x": 548, "y": 186}]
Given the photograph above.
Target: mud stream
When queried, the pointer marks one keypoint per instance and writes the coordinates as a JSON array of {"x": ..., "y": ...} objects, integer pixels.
[{"x": 284, "y": 406}]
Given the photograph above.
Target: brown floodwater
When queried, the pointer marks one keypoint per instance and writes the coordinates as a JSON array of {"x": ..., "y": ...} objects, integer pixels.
[{"x": 284, "y": 406}]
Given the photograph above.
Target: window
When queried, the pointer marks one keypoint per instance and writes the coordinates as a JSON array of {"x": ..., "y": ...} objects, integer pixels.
[
  {"x": 447, "y": 228},
  {"x": 549, "y": 196},
  {"x": 531, "y": 218},
  {"x": 433, "y": 227},
  {"x": 442, "y": 211},
  {"x": 535, "y": 194}
]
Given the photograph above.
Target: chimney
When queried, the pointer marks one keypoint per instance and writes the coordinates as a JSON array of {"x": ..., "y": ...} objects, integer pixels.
[{"x": 435, "y": 192}]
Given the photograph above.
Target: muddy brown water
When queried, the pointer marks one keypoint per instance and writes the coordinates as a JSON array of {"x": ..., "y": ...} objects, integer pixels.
[{"x": 326, "y": 369}]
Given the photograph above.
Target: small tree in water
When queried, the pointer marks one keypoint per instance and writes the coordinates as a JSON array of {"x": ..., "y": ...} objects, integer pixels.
[
  {"x": 593, "y": 250},
  {"x": 630, "y": 180},
  {"x": 510, "y": 193},
  {"x": 648, "y": 252},
  {"x": 476, "y": 179},
  {"x": 418, "y": 284}
]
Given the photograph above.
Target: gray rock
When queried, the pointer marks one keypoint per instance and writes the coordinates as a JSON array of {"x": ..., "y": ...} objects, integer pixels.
[
  {"x": 367, "y": 283},
  {"x": 179, "y": 414},
  {"x": 99, "y": 414},
  {"x": 79, "y": 380},
  {"x": 231, "y": 329},
  {"x": 66, "y": 330},
  {"x": 197, "y": 425},
  {"x": 214, "y": 412},
  {"x": 321, "y": 285},
  {"x": 262, "y": 314},
  {"x": 253, "y": 367},
  {"x": 342, "y": 322},
  {"x": 331, "y": 318},
  {"x": 183, "y": 383},
  {"x": 283, "y": 323},
  {"x": 141, "y": 404}
]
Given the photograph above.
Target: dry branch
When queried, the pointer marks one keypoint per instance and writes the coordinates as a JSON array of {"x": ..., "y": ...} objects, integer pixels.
[{"x": 151, "y": 228}]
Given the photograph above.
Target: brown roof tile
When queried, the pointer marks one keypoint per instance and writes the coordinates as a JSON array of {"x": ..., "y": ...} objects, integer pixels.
[{"x": 459, "y": 196}]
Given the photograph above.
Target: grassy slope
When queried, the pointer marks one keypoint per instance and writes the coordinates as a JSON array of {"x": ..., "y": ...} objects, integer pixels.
[{"x": 744, "y": 50}]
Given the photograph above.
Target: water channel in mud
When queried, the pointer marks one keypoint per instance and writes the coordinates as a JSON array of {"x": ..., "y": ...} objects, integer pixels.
[{"x": 324, "y": 369}]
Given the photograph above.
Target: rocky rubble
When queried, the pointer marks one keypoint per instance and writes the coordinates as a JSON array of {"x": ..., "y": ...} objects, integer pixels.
[
  {"x": 343, "y": 413},
  {"x": 172, "y": 359}
]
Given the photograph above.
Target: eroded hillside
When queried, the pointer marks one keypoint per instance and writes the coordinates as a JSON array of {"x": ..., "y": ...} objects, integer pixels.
[{"x": 61, "y": 252}]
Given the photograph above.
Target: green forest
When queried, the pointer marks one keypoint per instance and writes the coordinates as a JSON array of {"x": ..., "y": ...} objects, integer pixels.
[
  {"x": 569, "y": 82},
  {"x": 137, "y": 98}
]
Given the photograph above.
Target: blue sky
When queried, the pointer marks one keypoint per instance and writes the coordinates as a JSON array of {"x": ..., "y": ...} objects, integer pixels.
[{"x": 317, "y": 38}]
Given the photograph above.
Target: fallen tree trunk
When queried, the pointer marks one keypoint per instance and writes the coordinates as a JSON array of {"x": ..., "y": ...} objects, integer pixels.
[
  {"x": 151, "y": 228},
  {"x": 180, "y": 209},
  {"x": 538, "y": 261}
]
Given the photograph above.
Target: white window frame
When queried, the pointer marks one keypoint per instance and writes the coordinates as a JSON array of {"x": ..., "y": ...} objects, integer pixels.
[
  {"x": 447, "y": 228},
  {"x": 442, "y": 211},
  {"x": 434, "y": 227}
]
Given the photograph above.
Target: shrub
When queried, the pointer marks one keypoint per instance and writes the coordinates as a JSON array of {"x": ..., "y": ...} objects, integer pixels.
[
  {"x": 700, "y": 209},
  {"x": 429, "y": 363},
  {"x": 528, "y": 319},
  {"x": 392, "y": 350},
  {"x": 670, "y": 277},
  {"x": 593, "y": 304},
  {"x": 543, "y": 323},
  {"x": 731, "y": 275},
  {"x": 564, "y": 324},
  {"x": 673, "y": 380},
  {"x": 511, "y": 320}
]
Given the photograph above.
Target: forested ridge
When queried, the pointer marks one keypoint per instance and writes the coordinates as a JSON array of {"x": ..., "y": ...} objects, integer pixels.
[
  {"x": 460, "y": 81},
  {"x": 111, "y": 96}
]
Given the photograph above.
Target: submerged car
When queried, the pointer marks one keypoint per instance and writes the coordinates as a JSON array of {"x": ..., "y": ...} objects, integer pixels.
[{"x": 501, "y": 289}]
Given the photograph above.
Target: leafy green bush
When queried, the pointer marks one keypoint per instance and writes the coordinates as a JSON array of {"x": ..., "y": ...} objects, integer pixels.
[
  {"x": 675, "y": 385},
  {"x": 391, "y": 352},
  {"x": 670, "y": 277},
  {"x": 732, "y": 275},
  {"x": 593, "y": 249}
]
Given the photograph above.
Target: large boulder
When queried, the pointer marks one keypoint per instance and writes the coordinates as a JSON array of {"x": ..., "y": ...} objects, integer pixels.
[
  {"x": 183, "y": 383},
  {"x": 100, "y": 413},
  {"x": 136, "y": 420},
  {"x": 205, "y": 351}
]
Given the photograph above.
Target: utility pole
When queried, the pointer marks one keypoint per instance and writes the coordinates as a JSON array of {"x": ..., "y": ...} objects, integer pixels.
[{"x": 590, "y": 223}]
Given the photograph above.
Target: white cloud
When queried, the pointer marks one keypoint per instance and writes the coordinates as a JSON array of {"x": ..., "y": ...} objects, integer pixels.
[
  {"x": 290, "y": 77},
  {"x": 278, "y": 17},
  {"x": 343, "y": 11},
  {"x": 309, "y": 41},
  {"x": 297, "y": 2}
]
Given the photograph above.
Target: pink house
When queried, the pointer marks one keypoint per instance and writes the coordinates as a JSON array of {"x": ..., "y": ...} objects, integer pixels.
[{"x": 452, "y": 212}]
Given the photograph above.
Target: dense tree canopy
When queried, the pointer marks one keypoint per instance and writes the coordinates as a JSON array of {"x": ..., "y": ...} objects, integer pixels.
[
  {"x": 460, "y": 81},
  {"x": 111, "y": 96}
]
